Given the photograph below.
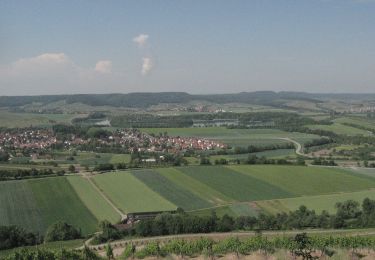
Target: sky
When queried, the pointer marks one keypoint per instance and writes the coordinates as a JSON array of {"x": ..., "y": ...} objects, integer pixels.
[{"x": 194, "y": 46}]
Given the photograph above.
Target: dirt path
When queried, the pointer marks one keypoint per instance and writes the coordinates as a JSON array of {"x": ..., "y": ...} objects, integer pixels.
[
  {"x": 297, "y": 144},
  {"x": 220, "y": 236},
  {"x": 88, "y": 178}
]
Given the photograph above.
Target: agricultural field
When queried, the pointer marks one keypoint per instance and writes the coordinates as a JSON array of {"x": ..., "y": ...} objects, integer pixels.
[
  {"x": 88, "y": 158},
  {"x": 233, "y": 184},
  {"x": 301, "y": 181},
  {"x": 318, "y": 203},
  {"x": 93, "y": 200},
  {"x": 356, "y": 120},
  {"x": 233, "y": 190},
  {"x": 271, "y": 154},
  {"x": 172, "y": 191},
  {"x": 130, "y": 194},
  {"x": 36, "y": 204},
  {"x": 12, "y": 119},
  {"x": 341, "y": 129},
  {"x": 236, "y": 137}
]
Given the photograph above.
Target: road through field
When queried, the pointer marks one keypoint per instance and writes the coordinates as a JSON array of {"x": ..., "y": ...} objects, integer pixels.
[
  {"x": 298, "y": 146},
  {"x": 220, "y": 236},
  {"x": 123, "y": 215}
]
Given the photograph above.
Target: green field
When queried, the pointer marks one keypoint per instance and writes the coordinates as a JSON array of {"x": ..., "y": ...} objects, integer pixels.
[
  {"x": 19, "y": 207},
  {"x": 93, "y": 200},
  {"x": 340, "y": 129},
  {"x": 200, "y": 189},
  {"x": 233, "y": 184},
  {"x": 360, "y": 121},
  {"x": 36, "y": 204},
  {"x": 130, "y": 194},
  {"x": 171, "y": 191},
  {"x": 300, "y": 180},
  {"x": 235, "y": 190},
  {"x": 318, "y": 203},
  {"x": 236, "y": 137},
  {"x": 11, "y": 119}
]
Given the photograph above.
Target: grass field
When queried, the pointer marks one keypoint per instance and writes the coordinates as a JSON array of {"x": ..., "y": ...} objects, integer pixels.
[
  {"x": 36, "y": 204},
  {"x": 318, "y": 203},
  {"x": 301, "y": 180},
  {"x": 236, "y": 137},
  {"x": 98, "y": 206},
  {"x": 360, "y": 121},
  {"x": 233, "y": 184},
  {"x": 11, "y": 119},
  {"x": 70, "y": 244},
  {"x": 19, "y": 207},
  {"x": 341, "y": 129},
  {"x": 234, "y": 190},
  {"x": 57, "y": 200},
  {"x": 200, "y": 189},
  {"x": 171, "y": 191},
  {"x": 130, "y": 194},
  {"x": 272, "y": 154}
]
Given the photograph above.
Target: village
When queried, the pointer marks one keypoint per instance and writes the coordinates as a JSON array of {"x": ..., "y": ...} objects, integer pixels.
[{"x": 128, "y": 139}]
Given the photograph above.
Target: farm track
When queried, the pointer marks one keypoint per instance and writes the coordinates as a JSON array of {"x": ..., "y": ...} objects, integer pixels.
[
  {"x": 122, "y": 214},
  {"x": 220, "y": 236}
]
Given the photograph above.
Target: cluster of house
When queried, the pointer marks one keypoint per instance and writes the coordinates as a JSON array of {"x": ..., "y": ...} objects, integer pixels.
[
  {"x": 27, "y": 139},
  {"x": 162, "y": 143},
  {"x": 130, "y": 139}
]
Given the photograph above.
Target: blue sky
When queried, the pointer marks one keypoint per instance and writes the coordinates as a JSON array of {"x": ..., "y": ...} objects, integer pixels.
[{"x": 217, "y": 46}]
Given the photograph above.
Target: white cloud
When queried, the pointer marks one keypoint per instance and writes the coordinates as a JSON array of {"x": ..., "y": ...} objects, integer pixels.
[
  {"x": 147, "y": 65},
  {"x": 104, "y": 66},
  {"x": 141, "y": 39}
]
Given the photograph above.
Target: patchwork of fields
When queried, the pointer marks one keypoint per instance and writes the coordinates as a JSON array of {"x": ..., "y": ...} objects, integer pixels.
[
  {"x": 234, "y": 190},
  {"x": 237, "y": 137},
  {"x": 341, "y": 129}
]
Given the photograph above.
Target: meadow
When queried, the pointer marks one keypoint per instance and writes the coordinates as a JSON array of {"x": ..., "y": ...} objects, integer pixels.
[
  {"x": 36, "y": 204},
  {"x": 236, "y": 137},
  {"x": 341, "y": 129},
  {"x": 318, "y": 203},
  {"x": 13, "y": 119},
  {"x": 130, "y": 194},
  {"x": 234, "y": 190}
]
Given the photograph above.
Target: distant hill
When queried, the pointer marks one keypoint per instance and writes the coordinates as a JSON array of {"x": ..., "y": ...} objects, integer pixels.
[{"x": 144, "y": 100}]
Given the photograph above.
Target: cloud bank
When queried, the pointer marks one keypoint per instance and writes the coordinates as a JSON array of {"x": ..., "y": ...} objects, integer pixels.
[
  {"x": 147, "y": 66},
  {"x": 141, "y": 40}
]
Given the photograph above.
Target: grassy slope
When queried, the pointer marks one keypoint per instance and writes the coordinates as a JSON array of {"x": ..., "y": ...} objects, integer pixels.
[
  {"x": 57, "y": 200},
  {"x": 234, "y": 184},
  {"x": 301, "y": 180},
  {"x": 340, "y": 129},
  {"x": 200, "y": 189},
  {"x": 130, "y": 194},
  {"x": 93, "y": 200},
  {"x": 18, "y": 206},
  {"x": 318, "y": 203},
  {"x": 10, "y": 119},
  {"x": 173, "y": 192},
  {"x": 236, "y": 137}
]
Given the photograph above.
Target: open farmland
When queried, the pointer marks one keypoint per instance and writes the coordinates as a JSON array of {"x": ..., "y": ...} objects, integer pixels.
[
  {"x": 19, "y": 207},
  {"x": 299, "y": 180},
  {"x": 318, "y": 203},
  {"x": 93, "y": 200},
  {"x": 173, "y": 192},
  {"x": 356, "y": 120},
  {"x": 233, "y": 184},
  {"x": 234, "y": 190},
  {"x": 340, "y": 129},
  {"x": 130, "y": 194},
  {"x": 236, "y": 137},
  {"x": 36, "y": 204},
  {"x": 11, "y": 119}
]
